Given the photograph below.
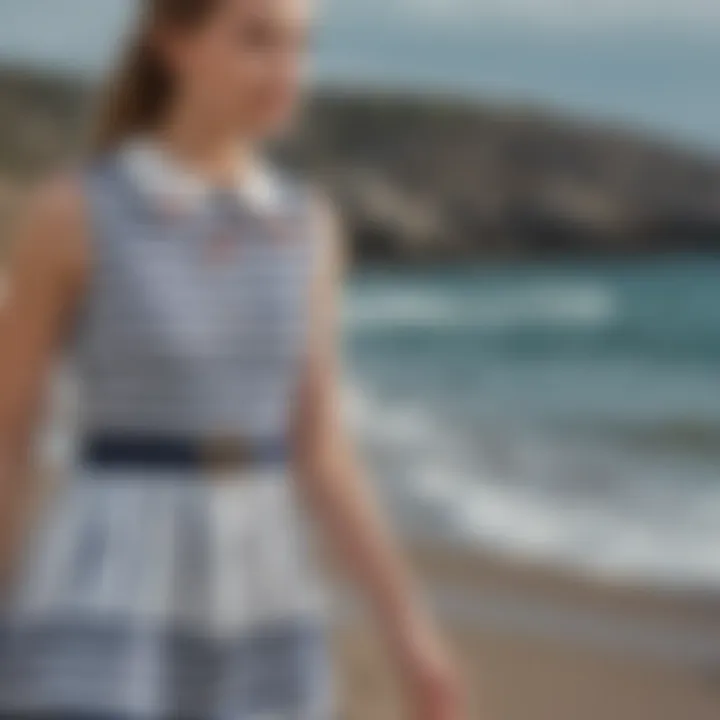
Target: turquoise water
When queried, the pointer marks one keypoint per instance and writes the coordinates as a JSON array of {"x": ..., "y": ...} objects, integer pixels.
[{"x": 568, "y": 411}]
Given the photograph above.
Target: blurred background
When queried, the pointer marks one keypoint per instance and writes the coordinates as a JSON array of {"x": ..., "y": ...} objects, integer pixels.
[{"x": 532, "y": 192}]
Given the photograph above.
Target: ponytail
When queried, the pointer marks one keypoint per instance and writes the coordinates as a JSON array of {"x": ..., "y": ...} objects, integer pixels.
[{"x": 138, "y": 97}]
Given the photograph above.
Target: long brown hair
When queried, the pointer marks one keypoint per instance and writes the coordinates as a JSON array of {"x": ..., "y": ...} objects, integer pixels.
[{"x": 140, "y": 92}]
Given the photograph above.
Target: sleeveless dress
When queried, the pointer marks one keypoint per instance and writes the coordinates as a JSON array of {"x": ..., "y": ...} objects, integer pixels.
[{"x": 178, "y": 591}]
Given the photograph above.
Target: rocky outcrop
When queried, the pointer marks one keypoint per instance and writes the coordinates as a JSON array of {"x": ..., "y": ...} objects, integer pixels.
[
  {"x": 472, "y": 180},
  {"x": 422, "y": 179}
]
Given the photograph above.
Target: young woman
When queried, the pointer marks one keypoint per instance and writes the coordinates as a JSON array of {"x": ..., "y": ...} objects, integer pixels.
[{"x": 198, "y": 289}]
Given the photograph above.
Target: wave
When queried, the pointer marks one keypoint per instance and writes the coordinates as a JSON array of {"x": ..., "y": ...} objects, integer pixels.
[
  {"x": 544, "y": 305},
  {"x": 651, "y": 531}
]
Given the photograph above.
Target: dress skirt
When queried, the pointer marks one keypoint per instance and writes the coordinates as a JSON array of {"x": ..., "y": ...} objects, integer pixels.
[{"x": 171, "y": 596}]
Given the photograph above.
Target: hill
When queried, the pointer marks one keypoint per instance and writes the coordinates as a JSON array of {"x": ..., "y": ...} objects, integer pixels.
[{"x": 422, "y": 178}]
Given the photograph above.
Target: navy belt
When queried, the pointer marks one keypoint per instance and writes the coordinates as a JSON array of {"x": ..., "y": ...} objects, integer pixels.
[{"x": 177, "y": 453}]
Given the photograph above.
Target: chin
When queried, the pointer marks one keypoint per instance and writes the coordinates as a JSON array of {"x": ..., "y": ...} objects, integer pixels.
[{"x": 267, "y": 125}]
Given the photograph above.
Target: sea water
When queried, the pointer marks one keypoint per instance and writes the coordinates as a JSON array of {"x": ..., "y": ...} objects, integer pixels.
[{"x": 567, "y": 412}]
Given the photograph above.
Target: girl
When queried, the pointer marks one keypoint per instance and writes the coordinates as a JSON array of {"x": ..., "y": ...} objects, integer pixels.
[{"x": 199, "y": 288}]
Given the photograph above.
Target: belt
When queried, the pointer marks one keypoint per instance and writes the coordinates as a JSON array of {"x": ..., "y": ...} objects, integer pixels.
[{"x": 218, "y": 454}]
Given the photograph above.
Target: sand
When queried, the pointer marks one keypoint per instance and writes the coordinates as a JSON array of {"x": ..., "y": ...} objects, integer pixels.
[{"x": 536, "y": 644}]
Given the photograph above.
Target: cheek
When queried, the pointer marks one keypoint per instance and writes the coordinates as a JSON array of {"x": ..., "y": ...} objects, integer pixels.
[
  {"x": 271, "y": 84},
  {"x": 255, "y": 89},
  {"x": 209, "y": 76}
]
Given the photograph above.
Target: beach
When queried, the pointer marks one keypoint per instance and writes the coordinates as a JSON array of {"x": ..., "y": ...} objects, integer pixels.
[
  {"x": 537, "y": 644},
  {"x": 532, "y": 331}
]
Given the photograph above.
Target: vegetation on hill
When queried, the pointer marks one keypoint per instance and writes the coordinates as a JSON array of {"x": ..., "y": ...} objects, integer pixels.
[{"x": 429, "y": 178}]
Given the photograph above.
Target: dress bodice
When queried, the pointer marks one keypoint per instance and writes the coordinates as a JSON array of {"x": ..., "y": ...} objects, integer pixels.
[{"x": 195, "y": 320}]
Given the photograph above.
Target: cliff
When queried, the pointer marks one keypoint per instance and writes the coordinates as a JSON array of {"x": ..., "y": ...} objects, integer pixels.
[{"x": 429, "y": 178}]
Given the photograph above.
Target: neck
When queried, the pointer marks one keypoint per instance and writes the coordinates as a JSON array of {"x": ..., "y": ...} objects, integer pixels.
[{"x": 209, "y": 152}]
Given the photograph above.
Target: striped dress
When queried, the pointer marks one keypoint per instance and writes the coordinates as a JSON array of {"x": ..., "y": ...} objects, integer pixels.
[{"x": 178, "y": 590}]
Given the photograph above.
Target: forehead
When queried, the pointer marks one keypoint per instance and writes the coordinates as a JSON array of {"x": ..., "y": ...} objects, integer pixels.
[{"x": 282, "y": 11}]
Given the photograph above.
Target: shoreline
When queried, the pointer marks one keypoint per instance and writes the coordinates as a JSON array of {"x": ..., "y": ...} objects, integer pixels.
[
  {"x": 503, "y": 560},
  {"x": 542, "y": 644}
]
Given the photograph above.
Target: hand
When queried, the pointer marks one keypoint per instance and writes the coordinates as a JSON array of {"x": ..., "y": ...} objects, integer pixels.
[{"x": 434, "y": 687}]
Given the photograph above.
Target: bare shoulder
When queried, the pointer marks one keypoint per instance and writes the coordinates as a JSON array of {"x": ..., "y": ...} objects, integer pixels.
[
  {"x": 313, "y": 202},
  {"x": 52, "y": 233},
  {"x": 326, "y": 209},
  {"x": 330, "y": 227},
  {"x": 58, "y": 203}
]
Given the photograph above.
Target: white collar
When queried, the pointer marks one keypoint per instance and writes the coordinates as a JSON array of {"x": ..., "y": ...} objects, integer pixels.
[{"x": 165, "y": 180}]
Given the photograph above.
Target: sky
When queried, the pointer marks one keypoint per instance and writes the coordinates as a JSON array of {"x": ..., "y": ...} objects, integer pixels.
[
  {"x": 648, "y": 63},
  {"x": 594, "y": 15}
]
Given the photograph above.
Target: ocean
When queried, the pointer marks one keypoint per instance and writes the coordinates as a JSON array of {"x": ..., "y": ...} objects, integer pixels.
[{"x": 567, "y": 412}]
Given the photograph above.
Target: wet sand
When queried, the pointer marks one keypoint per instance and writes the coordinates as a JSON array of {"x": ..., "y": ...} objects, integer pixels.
[{"x": 544, "y": 645}]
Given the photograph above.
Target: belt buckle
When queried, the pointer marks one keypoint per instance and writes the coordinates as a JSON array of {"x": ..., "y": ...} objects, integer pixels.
[{"x": 222, "y": 454}]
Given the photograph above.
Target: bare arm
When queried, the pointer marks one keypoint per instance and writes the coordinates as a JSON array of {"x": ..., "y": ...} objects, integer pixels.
[
  {"x": 340, "y": 496},
  {"x": 44, "y": 281}
]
